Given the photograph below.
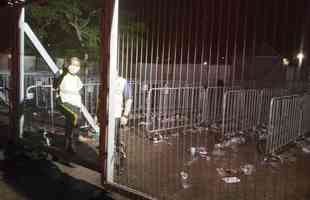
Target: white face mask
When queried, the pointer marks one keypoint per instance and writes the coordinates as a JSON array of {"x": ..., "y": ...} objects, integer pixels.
[{"x": 73, "y": 69}]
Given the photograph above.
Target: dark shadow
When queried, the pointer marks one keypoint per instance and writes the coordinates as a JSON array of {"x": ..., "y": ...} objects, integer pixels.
[
  {"x": 39, "y": 179},
  {"x": 87, "y": 154}
]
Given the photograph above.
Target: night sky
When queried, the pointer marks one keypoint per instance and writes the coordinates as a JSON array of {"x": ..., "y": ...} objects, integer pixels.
[
  {"x": 5, "y": 29},
  {"x": 218, "y": 27},
  {"x": 223, "y": 28}
]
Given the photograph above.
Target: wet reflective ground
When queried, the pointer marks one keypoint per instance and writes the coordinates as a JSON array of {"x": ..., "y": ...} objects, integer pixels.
[{"x": 168, "y": 169}]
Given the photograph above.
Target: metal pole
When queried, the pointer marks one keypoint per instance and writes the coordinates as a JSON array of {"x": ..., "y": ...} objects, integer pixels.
[{"x": 21, "y": 73}]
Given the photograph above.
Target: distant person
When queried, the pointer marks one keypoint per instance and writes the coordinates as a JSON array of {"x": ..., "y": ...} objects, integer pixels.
[{"x": 69, "y": 101}]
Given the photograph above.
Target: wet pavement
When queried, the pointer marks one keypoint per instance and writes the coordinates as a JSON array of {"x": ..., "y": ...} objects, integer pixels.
[{"x": 171, "y": 169}]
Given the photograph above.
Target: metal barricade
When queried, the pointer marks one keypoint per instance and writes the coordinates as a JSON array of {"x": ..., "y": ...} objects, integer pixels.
[
  {"x": 90, "y": 97},
  {"x": 284, "y": 122},
  {"x": 305, "y": 115},
  {"x": 172, "y": 108},
  {"x": 241, "y": 111},
  {"x": 43, "y": 98},
  {"x": 213, "y": 105},
  {"x": 139, "y": 96},
  {"x": 267, "y": 94}
]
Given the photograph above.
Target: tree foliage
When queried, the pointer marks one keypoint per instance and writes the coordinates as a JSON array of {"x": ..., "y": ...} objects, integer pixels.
[
  {"x": 72, "y": 27},
  {"x": 68, "y": 27}
]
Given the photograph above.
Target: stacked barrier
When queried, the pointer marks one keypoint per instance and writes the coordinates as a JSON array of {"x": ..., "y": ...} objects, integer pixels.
[
  {"x": 140, "y": 92},
  {"x": 172, "y": 108},
  {"x": 241, "y": 111},
  {"x": 212, "y": 104},
  {"x": 267, "y": 94},
  {"x": 305, "y": 115},
  {"x": 284, "y": 122}
]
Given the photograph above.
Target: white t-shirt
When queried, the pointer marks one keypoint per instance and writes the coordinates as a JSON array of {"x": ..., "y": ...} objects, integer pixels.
[
  {"x": 120, "y": 84},
  {"x": 69, "y": 90}
]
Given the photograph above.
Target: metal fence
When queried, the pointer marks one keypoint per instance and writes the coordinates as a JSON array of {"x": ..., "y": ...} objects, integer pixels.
[
  {"x": 241, "y": 111},
  {"x": 41, "y": 98},
  {"x": 267, "y": 94},
  {"x": 284, "y": 122},
  {"x": 213, "y": 105},
  {"x": 305, "y": 125},
  {"x": 171, "y": 108}
]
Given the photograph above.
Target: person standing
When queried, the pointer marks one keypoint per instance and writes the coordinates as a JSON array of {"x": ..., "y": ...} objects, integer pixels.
[
  {"x": 68, "y": 101},
  {"x": 123, "y": 102}
]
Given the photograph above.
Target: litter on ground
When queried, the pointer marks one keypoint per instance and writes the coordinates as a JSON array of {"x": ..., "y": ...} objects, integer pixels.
[{"x": 231, "y": 180}]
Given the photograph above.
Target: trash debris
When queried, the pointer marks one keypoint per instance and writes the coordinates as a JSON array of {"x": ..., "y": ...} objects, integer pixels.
[
  {"x": 202, "y": 151},
  {"x": 184, "y": 180},
  {"x": 273, "y": 161},
  {"x": 142, "y": 124},
  {"x": 237, "y": 140},
  {"x": 193, "y": 151},
  {"x": 287, "y": 156},
  {"x": 215, "y": 126},
  {"x": 218, "y": 146},
  {"x": 306, "y": 150},
  {"x": 231, "y": 180},
  {"x": 247, "y": 169},
  {"x": 221, "y": 171},
  {"x": 226, "y": 172},
  {"x": 218, "y": 152},
  {"x": 230, "y": 143},
  {"x": 157, "y": 139},
  {"x": 191, "y": 130},
  {"x": 200, "y": 128},
  {"x": 206, "y": 157},
  {"x": 305, "y": 147}
]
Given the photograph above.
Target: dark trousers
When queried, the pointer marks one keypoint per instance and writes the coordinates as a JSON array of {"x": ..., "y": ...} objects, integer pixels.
[
  {"x": 72, "y": 115},
  {"x": 117, "y": 134}
]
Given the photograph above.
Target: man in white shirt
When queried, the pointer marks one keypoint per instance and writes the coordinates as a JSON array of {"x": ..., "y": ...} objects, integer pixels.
[
  {"x": 123, "y": 102},
  {"x": 69, "y": 101}
]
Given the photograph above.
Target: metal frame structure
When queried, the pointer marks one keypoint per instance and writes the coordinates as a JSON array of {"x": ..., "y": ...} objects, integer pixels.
[
  {"x": 285, "y": 121},
  {"x": 173, "y": 108},
  {"x": 241, "y": 111}
]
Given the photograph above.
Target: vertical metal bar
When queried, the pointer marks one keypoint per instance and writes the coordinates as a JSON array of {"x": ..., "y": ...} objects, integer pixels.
[
  {"x": 211, "y": 40},
  {"x": 110, "y": 22},
  {"x": 52, "y": 106},
  {"x": 244, "y": 44},
  {"x": 224, "y": 114},
  {"x": 21, "y": 72}
]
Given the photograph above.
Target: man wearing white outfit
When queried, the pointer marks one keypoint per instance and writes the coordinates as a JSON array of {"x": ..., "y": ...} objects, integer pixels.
[{"x": 123, "y": 102}]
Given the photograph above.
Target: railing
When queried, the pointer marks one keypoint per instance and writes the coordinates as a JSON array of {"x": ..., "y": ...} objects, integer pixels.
[
  {"x": 172, "y": 108},
  {"x": 284, "y": 122},
  {"x": 305, "y": 115},
  {"x": 267, "y": 94},
  {"x": 241, "y": 111},
  {"x": 43, "y": 98}
]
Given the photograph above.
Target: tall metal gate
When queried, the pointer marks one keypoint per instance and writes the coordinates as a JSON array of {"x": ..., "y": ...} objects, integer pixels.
[{"x": 192, "y": 65}]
